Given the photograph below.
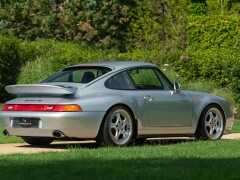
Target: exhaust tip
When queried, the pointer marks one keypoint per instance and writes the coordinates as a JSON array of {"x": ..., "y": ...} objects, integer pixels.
[
  {"x": 58, "y": 134},
  {"x": 5, "y": 132}
]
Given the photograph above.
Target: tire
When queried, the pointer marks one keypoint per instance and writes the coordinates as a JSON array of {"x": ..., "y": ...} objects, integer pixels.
[
  {"x": 118, "y": 128},
  {"x": 211, "y": 124},
  {"x": 37, "y": 141}
]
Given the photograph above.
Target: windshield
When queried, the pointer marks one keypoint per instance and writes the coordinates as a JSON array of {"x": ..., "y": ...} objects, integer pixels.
[{"x": 78, "y": 74}]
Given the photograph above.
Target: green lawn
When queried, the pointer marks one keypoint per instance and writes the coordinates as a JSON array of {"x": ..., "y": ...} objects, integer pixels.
[
  {"x": 174, "y": 160},
  {"x": 236, "y": 126},
  {"x": 185, "y": 160}
]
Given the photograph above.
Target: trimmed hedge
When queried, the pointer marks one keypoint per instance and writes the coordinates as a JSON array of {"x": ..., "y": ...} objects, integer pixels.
[{"x": 205, "y": 32}]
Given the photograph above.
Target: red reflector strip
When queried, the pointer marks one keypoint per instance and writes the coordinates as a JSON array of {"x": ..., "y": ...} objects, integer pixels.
[
  {"x": 42, "y": 107},
  {"x": 28, "y": 107}
]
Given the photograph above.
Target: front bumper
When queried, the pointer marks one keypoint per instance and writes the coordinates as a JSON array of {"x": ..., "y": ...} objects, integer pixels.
[{"x": 72, "y": 124}]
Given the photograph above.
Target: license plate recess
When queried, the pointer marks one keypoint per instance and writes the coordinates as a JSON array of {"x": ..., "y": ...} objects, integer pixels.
[{"x": 23, "y": 122}]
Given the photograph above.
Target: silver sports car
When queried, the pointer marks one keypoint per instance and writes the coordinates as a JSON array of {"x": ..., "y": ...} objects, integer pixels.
[{"x": 114, "y": 103}]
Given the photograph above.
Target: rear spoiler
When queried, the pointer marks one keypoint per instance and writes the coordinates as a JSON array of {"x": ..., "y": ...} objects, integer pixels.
[{"x": 35, "y": 89}]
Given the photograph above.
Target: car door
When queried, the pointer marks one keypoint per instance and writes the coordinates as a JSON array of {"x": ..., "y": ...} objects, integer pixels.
[{"x": 164, "y": 106}]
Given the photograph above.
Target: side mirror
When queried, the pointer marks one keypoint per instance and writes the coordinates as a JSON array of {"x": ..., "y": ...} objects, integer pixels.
[{"x": 177, "y": 87}]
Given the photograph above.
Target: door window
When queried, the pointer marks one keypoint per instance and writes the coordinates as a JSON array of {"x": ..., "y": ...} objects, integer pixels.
[{"x": 146, "y": 78}]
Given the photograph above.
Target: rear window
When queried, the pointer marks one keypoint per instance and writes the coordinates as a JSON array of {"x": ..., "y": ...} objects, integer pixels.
[
  {"x": 79, "y": 74},
  {"x": 120, "y": 81}
]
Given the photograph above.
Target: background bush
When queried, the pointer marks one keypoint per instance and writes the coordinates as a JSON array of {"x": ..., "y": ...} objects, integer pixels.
[
  {"x": 96, "y": 22},
  {"x": 43, "y": 58},
  {"x": 9, "y": 64},
  {"x": 206, "y": 32},
  {"x": 219, "y": 66},
  {"x": 51, "y": 56}
]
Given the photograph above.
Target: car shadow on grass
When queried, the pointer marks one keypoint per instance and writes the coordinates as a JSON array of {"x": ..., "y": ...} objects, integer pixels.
[{"x": 93, "y": 145}]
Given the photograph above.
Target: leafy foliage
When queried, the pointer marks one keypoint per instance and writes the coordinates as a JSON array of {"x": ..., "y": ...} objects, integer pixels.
[
  {"x": 9, "y": 64},
  {"x": 234, "y": 72},
  {"x": 197, "y": 7},
  {"x": 223, "y": 7},
  {"x": 214, "y": 32},
  {"x": 133, "y": 27},
  {"x": 145, "y": 28},
  {"x": 102, "y": 22},
  {"x": 56, "y": 56},
  {"x": 220, "y": 66},
  {"x": 50, "y": 56}
]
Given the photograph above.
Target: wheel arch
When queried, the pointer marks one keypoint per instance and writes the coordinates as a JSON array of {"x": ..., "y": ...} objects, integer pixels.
[
  {"x": 201, "y": 114},
  {"x": 132, "y": 113}
]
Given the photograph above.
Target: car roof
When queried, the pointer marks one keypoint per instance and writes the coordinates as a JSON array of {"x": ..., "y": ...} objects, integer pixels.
[{"x": 116, "y": 65}]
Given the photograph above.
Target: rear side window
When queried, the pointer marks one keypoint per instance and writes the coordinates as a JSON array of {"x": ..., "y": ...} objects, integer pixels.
[
  {"x": 79, "y": 74},
  {"x": 120, "y": 81}
]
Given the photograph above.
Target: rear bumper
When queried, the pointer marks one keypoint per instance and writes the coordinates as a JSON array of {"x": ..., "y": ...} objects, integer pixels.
[{"x": 72, "y": 124}]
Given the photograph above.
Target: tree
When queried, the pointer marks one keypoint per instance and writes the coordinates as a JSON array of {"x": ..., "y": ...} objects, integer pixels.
[
  {"x": 95, "y": 22},
  {"x": 145, "y": 28}
]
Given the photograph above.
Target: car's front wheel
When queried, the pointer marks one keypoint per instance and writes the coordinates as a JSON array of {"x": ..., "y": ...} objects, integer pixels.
[
  {"x": 118, "y": 127},
  {"x": 212, "y": 123},
  {"x": 36, "y": 141}
]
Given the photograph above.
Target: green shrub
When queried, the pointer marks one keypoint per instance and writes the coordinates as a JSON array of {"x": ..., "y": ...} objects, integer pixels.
[
  {"x": 51, "y": 56},
  {"x": 154, "y": 56},
  {"x": 220, "y": 66},
  {"x": 34, "y": 61},
  {"x": 145, "y": 25},
  {"x": 197, "y": 7},
  {"x": 235, "y": 81},
  {"x": 205, "y": 32},
  {"x": 46, "y": 57},
  {"x": 9, "y": 64},
  {"x": 96, "y": 22}
]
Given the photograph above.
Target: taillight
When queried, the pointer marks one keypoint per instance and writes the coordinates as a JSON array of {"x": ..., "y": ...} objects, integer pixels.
[
  {"x": 42, "y": 107},
  {"x": 67, "y": 108}
]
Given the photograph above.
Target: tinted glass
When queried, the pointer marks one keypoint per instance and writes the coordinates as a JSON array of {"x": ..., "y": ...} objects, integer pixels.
[
  {"x": 164, "y": 80},
  {"x": 79, "y": 74},
  {"x": 146, "y": 78},
  {"x": 120, "y": 81}
]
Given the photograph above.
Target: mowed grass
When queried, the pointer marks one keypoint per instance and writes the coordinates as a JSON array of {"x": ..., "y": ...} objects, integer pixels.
[
  {"x": 184, "y": 160},
  {"x": 236, "y": 126}
]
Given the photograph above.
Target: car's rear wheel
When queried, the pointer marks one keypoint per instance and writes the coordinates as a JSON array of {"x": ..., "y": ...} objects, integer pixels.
[
  {"x": 118, "y": 127},
  {"x": 37, "y": 141},
  {"x": 212, "y": 123}
]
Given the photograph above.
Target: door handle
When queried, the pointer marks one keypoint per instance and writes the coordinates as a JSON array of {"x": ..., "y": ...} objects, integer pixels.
[{"x": 148, "y": 98}]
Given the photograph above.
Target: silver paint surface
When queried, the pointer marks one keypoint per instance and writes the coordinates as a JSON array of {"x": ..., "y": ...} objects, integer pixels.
[{"x": 157, "y": 112}]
